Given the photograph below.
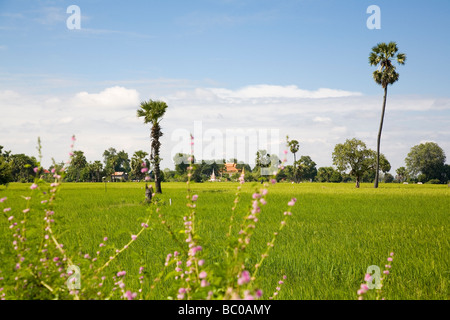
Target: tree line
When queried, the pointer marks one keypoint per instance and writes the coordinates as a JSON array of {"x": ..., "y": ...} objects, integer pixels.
[{"x": 352, "y": 162}]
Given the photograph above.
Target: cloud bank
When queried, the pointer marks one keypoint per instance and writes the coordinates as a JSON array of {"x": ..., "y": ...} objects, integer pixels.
[{"x": 318, "y": 119}]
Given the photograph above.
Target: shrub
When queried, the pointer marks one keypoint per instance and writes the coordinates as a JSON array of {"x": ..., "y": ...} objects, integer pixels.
[{"x": 434, "y": 181}]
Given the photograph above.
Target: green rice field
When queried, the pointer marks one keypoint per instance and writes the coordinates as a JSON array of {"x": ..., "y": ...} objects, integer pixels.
[{"x": 335, "y": 232}]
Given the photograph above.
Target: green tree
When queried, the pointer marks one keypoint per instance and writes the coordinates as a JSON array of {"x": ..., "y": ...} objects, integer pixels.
[
  {"x": 22, "y": 167},
  {"x": 306, "y": 168},
  {"x": 182, "y": 162},
  {"x": 5, "y": 168},
  {"x": 152, "y": 112},
  {"x": 402, "y": 174},
  {"x": 5, "y": 171},
  {"x": 137, "y": 162},
  {"x": 384, "y": 166},
  {"x": 427, "y": 159},
  {"x": 97, "y": 168},
  {"x": 382, "y": 55},
  {"x": 294, "y": 146},
  {"x": 354, "y": 156},
  {"x": 328, "y": 174},
  {"x": 110, "y": 160},
  {"x": 388, "y": 178},
  {"x": 123, "y": 162},
  {"x": 77, "y": 165}
]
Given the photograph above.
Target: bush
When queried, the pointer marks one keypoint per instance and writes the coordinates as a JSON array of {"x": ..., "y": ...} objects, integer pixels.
[{"x": 434, "y": 181}]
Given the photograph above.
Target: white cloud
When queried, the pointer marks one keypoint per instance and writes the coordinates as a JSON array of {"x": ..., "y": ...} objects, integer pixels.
[
  {"x": 115, "y": 97},
  {"x": 107, "y": 118},
  {"x": 325, "y": 120},
  {"x": 261, "y": 94}
]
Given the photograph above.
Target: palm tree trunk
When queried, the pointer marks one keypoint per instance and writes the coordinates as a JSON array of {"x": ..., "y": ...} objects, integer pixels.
[
  {"x": 295, "y": 170},
  {"x": 155, "y": 135},
  {"x": 379, "y": 138}
]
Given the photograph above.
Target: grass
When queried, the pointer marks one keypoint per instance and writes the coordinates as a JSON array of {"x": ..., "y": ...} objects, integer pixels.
[{"x": 334, "y": 234}]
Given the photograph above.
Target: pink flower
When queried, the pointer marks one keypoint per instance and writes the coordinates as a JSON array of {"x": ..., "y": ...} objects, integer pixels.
[
  {"x": 3, "y": 199},
  {"x": 133, "y": 237},
  {"x": 147, "y": 178},
  {"x": 10, "y": 218},
  {"x": 386, "y": 271},
  {"x": 292, "y": 202},
  {"x": 389, "y": 259},
  {"x": 204, "y": 283},
  {"x": 6, "y": 210},
  {"x": 101, "y": 245},
  {"x": 245, "y": 278},
  {"x": 285, "y": 151},
  {"x": 391, "y": 254},
  {"x": 201, "y": 262},
  {"x": 256, "y": 196},
  {"x": 73, "y": 138},
  {"x": 33, "y": 186},
  {"x": 368, "y": 277},
  {"x": 143, "y": 170},
  {"x": 144, "y": 225},
  {"x": 196, "y": 249},
  {"x": 194, "y": 197},
  {"x": 121, "y": 273},
  {"x": 202, "y": 275},
  {"x": 130, "y": 296},
  {"x": 26, "y": 210},
  {"x": 35, "y": 169}
]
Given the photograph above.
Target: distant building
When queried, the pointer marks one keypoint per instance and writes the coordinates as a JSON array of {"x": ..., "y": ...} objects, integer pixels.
[
  {"x": 230, "y": 168},
  {"x": 119, "y": 176}
]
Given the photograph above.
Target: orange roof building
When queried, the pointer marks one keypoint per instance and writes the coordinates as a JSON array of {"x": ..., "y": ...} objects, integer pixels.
[{"x": 230, "y": 168}]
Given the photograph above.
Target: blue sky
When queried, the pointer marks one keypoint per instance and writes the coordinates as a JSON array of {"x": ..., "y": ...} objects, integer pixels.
[{"x": 230, "y": 64}]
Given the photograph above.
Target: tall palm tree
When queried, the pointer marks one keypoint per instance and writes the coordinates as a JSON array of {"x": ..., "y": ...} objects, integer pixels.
[
  {"x": 293, "y": 146},
  {"x": 136, "y": 163},
  {"x": 152, "y": 112},
  {"x": 385, "y": 75}
]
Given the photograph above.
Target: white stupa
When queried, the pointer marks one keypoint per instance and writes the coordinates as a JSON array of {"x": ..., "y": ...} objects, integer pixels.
[{"x": 213, "y": 176}]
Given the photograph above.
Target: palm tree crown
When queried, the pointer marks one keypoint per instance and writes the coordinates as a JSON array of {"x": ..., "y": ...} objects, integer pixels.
[
  {"x": 382, "y": 55},
  {"x": 152, "y": 111}
]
